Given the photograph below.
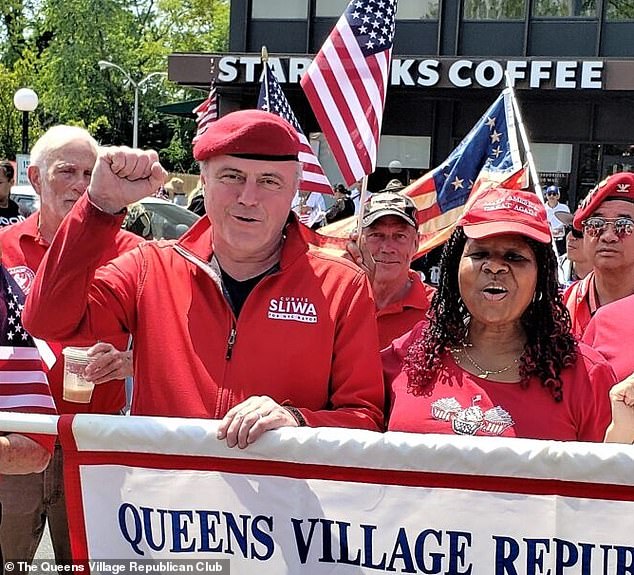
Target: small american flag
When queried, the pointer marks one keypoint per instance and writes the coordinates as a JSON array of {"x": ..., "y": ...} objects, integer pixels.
[
  {"x": 272, "y": 99},
  {"x": 206, "y": 113},
  {"x": 23, "y": 382},
  {"x": 347, "y": 82}
]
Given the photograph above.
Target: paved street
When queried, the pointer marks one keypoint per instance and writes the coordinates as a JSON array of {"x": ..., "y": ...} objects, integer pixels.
[{"x": 45, "y": 550}]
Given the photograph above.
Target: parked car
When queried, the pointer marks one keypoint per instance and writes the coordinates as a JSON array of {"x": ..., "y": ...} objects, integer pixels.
[
  {"x": 26, "y": 198},
  {"x": 151, "y": 218}
]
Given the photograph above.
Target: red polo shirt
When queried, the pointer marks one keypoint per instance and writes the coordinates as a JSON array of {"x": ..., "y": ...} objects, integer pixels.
[{"x": 401, "y": 316}]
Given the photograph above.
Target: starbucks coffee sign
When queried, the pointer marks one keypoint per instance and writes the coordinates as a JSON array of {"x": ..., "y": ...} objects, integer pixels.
[{"x": 524, "y": 73}]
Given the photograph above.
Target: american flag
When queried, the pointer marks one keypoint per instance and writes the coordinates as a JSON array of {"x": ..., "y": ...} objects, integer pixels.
[
  {"x": 347, "y": 81},
  {"x": 206, "y": 113},
  {"x": 23, "y": 382},
  {"x": 488, "y": 155},
  {"x": 272, "y": 99}
]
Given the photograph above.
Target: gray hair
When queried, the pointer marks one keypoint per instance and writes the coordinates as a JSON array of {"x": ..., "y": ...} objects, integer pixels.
[{"x": 56, "y": 137}]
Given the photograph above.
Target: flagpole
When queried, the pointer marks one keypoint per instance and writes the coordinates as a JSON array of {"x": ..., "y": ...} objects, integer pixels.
[
  {"x": 362, "y": 198},
  {"x": 265, "y": 71},
  {"x": 529, "y": 155}
]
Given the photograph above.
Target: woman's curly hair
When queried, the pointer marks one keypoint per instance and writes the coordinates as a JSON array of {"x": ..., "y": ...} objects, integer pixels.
[{"x": 550, "y": 346}]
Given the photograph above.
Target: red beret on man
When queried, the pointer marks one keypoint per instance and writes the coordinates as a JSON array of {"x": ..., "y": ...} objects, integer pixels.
[
  {"x": 251, "y": 134},
  {"x": 615, "y": 187}
]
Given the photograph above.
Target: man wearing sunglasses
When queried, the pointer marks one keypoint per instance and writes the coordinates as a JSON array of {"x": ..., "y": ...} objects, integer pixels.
[
  {"x": 575, "y": 264},
  {"x": 606, "y": 217}
]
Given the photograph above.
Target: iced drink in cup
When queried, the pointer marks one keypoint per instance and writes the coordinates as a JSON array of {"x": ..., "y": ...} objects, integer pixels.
[{"x": 76, "y": 388}]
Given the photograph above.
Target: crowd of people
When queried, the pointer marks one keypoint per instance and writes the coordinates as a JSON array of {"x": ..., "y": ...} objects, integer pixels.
[{"x": 244, "y": 321}]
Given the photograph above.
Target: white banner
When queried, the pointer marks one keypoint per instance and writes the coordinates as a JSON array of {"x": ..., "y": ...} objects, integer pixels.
[{"x": 323, "y": 501}]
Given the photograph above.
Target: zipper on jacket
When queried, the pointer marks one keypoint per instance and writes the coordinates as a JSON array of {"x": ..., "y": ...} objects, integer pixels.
[{"x": 230, "y": 342}]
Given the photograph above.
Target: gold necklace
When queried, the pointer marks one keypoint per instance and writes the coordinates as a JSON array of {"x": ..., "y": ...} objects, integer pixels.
[{"x": 484, "y": 373}]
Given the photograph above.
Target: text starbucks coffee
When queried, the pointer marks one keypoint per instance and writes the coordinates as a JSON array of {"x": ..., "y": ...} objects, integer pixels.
[{"x": 440, "y": 72}]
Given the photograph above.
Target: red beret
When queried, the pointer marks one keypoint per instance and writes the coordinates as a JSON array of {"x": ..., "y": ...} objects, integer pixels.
[
  {"x": 615, "y": 187},
  {"x": 253, "y": 134}
]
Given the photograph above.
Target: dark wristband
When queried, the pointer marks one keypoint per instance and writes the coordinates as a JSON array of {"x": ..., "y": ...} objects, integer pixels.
[{"x": 297, "y": 414}]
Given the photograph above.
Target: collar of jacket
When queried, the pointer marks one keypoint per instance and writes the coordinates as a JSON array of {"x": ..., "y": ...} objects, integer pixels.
[{"x": 197, "y": 241}]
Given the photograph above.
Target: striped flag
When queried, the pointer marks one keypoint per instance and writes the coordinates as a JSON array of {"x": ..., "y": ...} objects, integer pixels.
[
  {"x": 272, "y": 99},
  {"x": 488, "y": 155},
  {"x": 346, "y": 84},
  {"x": 23, "y": 382},
  {"x": 206, "y": 113}
]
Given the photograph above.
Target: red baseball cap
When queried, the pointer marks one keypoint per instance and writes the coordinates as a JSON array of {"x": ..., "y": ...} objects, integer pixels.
[
  {"x": 615, "y": 187},
  {"x": 498, "y": 211},
  {"x": 252, "y": 134}
]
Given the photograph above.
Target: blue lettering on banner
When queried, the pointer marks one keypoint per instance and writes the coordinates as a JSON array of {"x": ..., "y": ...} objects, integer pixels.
[
  {"x": 569, "y": 558},
  {"x": 434, "y": 552},
  {"x": 189, "y": 531},
  {"x": 321, "y": 540}
]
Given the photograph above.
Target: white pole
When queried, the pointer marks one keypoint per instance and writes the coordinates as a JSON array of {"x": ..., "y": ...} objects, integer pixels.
[
  {"x": 524, "y": 136},
  {"x": 362, "y": 198},
  {"x": 28, "y": 423},
  {"x": 135, "y": 121}
]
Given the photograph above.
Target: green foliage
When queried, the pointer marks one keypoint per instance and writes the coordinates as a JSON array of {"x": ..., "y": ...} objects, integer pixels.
[{"x": 53, "y": 46}]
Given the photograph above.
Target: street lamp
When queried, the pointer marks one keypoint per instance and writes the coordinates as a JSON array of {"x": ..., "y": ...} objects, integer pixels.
[
  {"x": 25, "y": 100},
  {"x": 103, "y": 64}
]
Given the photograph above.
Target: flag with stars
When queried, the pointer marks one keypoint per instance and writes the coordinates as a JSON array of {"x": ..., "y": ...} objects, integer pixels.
[
  {"x": 23, "y": 381},
  {"x": 206, "y": 113},
  {"x": 12, "y": 332},
  {"x": 488, "y": 155},
  {"x": 272, "y": 99},
  {"x": 346, "y": 84}
]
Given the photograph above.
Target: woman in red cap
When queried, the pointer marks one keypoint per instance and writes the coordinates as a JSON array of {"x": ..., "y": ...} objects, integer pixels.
[{"x": 496, "y": 356}]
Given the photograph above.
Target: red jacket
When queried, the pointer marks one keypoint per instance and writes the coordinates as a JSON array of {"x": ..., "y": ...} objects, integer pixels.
[
  {"x": 306, "y": 335},
  {"x": 22, "y": 252}
]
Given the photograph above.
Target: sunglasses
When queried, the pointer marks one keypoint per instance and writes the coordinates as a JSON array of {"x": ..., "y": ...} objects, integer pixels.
[
  {"x": 575, "y": 233},
  {"x": 596, "y": 225}
]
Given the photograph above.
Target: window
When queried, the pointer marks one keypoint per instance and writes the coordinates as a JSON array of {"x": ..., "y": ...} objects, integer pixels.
[
  {"x": 619, "y": 10},
  {"x": 330, "y": 8},
  {"x": 494, "y": 9},
  {"x": 417, "y": 10},
  {"x": 565, "y": 8},
  {"x": 406, "y": 9},
  {"x": 279, "y": 9},
  {"x": 552, "y": 157}
]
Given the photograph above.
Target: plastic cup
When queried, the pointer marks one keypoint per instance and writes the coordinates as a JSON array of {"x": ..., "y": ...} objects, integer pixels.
[{"x": 76, "y": 388}]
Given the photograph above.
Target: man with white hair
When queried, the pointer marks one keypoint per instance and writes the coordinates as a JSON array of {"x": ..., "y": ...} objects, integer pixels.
[
  {"x": 62, "y": 161},
  {"x": 264, "y": 331}
]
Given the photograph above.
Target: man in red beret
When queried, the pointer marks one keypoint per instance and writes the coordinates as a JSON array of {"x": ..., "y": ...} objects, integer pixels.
[
  {"x": 606, "y": 217},
  {"x": 262, "y": 331}
]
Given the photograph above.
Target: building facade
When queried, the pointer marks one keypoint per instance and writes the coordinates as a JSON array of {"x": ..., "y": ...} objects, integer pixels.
[{"x": 571, "y": 62}]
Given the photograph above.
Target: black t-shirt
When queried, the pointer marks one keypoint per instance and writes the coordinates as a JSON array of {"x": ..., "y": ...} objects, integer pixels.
[
  {"x": 237, "y": 292},
  {"x": 10, "y": 214}
]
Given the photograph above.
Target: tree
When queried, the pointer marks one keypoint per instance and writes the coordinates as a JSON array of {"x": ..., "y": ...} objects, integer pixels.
[{"x": 53, "y": 46}]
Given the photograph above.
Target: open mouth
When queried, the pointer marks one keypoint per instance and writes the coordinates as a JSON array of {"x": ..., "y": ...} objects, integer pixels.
[
  {"x": 494, "y": 292},
  {"x": 245, "y": 219}
]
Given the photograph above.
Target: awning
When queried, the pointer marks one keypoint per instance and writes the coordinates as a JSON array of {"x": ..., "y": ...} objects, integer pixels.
[{"x": 180, "y": 108}]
